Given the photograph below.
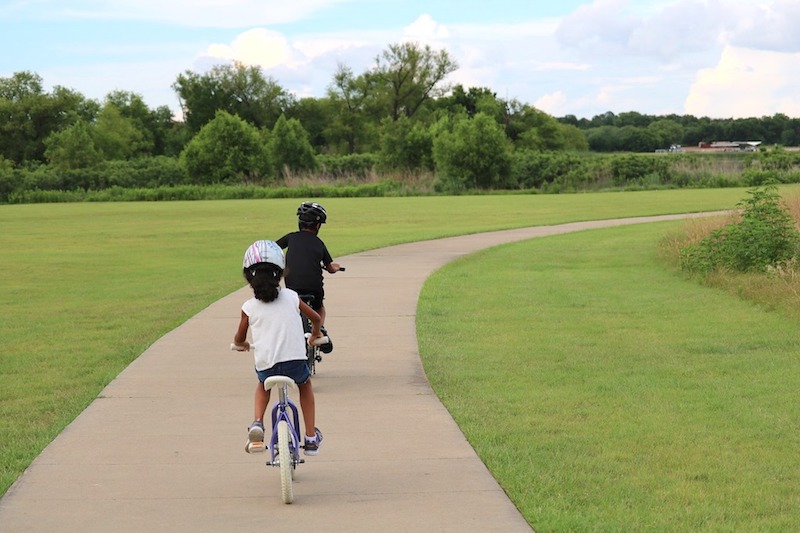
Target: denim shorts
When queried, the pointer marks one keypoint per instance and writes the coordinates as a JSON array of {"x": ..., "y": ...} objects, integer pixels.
[{"x": 297, "y": 370}]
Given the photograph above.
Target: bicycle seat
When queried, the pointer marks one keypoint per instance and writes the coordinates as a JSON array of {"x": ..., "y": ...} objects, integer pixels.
[{"x": 277, "y": 381}]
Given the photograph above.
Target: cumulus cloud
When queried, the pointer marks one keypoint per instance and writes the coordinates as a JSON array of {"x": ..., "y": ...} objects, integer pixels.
[
  {"x": 746, "y": 83},
  {"x": 663, "y": 32},
  {"x": 261, "y": 47},
  {"x": 555, "y": 104},
  {"x": 763, "y": 26}
]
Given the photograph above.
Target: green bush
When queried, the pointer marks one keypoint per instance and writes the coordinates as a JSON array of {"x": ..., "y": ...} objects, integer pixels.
[
  {"x": 640, "y": 169},
  {"x": 765, "y": 236},
  {"x": 341, "y": 166},
  {"x": 534, "y": 169},
  {"x": 476, "y": 154},
  {"x": 145, "y": 172}
]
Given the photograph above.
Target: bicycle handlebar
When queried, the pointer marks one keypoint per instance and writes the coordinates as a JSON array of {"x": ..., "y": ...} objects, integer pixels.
[{"x": 317, "y": 342}]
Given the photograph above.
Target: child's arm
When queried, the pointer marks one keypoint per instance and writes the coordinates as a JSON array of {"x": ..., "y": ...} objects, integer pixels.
[
  {"x": 316, "y": 321},
  {"x": 240, "y": 339}
]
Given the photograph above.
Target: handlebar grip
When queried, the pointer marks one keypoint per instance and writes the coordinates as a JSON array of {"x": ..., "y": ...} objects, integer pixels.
[
  {"x": 238, "y": 348},
  {"x": 320, "y": 341}
]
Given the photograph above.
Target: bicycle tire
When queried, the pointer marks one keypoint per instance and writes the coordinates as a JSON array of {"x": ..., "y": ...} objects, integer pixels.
[{"x": 286, "y": 462}]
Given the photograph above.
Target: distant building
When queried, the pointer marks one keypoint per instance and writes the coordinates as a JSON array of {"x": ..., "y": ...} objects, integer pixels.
[{"x": 730, "y": 146}]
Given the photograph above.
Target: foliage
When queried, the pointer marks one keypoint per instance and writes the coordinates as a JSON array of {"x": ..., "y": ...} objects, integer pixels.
[
  {"x": 237, "y": 89},
  {"x": 340, "y": 166},
  {"x": 411, "y": 75},
  {"x": 765, "y": 236},
  {"x": 476, "y": 154},
  {"x": 628, "y": 169},
  {"x": 532, "y": 169},
  {"x": 226, "y": 150},
  {"x": 72, "y": 148},
  {"x": 406, "y": 145},
  {"x": 289, "y": 148},
  {"x": 119, "y": 137}
]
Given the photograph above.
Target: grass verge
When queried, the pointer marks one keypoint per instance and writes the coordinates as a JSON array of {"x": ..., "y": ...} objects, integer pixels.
[{"x": 623, "y": 396}]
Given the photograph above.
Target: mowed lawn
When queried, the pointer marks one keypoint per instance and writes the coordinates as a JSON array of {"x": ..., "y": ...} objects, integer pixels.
[
  {"x": 85, "y": 288},
  {"x": 606, "y": 392}
]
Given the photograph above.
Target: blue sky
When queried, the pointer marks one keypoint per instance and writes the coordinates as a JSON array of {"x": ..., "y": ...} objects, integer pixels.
[{"x": 717, "y": 58}]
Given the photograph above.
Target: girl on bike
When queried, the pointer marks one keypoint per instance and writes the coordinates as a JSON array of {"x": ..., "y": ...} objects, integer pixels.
[{"x": 278, "y": 337}]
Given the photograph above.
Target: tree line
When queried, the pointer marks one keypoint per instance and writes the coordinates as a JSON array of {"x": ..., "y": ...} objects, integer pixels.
[
  {"x": 636, "y": 132},
  {"x": 240, "y": 126}
]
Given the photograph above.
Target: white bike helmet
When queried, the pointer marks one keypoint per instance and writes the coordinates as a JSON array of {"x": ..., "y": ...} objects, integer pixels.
[{"x": 264, "y": 252}]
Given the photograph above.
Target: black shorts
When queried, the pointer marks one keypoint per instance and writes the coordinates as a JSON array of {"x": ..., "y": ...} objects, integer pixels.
[{"x": 319, "y": 296}]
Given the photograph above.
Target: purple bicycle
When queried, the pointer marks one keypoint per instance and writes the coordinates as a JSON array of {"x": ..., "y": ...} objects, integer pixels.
[{"x": 284, "y": 444}]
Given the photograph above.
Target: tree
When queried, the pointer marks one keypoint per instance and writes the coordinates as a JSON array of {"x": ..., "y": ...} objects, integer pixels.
[
  {"x": 412, "y": 75},
  {"x": 574, "y": 138},
  {"x": 315, "y": 114},
  {"x": 604, "y": 139},
  {"x": 119, "y": 137},
  {"x": 236, "y": 89},
  {"x": 473, "y": 101},
  {"x": 638, "y": 139},
  {"x": 161, "y": 134},
  {"x": 289, "y": 147},
  {"x": 354, "y": 120},
  {"x": 531, "y": 128},
  {"x": 475, "y": 154},
  {"x": 72, "y": 148},
  {"x": 226, "y": 150},
  {"x": 29, "y": 115},
  {"x": 668, "y": 132},
  {"x": 406, "y": 145}
]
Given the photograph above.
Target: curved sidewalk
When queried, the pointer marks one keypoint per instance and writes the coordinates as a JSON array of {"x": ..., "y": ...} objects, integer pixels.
[{"x": 162, "y": 447}]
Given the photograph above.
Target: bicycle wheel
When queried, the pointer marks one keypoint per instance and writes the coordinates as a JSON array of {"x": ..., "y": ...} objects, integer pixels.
[{"x": 285, "y": 459}]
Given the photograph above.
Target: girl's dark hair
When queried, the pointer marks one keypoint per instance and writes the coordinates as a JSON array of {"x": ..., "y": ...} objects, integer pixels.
[{"x": 265, "y": 280}]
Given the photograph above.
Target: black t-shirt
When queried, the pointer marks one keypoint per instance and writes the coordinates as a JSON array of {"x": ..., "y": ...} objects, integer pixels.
[{"x": 305, "y": 257}]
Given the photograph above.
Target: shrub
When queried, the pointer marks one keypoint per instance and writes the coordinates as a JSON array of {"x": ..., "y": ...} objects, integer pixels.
[
  {"x": 632, "y": 169},
  {"x": 341, "y": 166},
  {"x": 764, "y": 237}
]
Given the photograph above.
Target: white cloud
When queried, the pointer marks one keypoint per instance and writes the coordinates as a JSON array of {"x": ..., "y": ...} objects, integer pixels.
[
  {"x": 746, "y": 83},
  {"x": 426, "y": 30},
  {"x": 261, "y": 47},
  {"x": 555, "y": 104},
  {"x": 763, "y": 25}
]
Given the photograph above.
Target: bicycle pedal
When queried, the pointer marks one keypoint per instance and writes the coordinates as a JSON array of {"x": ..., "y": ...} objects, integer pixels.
[{"x": 255, "y": 447}]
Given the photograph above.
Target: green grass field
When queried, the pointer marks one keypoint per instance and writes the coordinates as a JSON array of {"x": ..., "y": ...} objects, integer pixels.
[
  {"x": 87, "y": 287},
  {"x": 623, "y": 396}
]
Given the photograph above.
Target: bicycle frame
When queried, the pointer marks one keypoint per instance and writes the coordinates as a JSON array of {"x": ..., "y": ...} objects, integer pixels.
[
  {"x": 284, "y": 409},
  {"x": 312, "y": 352}
]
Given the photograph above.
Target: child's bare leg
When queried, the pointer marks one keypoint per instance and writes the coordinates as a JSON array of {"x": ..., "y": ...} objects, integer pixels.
[
  {"x": 261, "y": 401},
  {"x": 307, "y": 405}
]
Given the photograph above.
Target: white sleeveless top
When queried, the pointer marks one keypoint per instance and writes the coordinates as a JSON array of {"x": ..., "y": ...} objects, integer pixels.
[{"x": 277, "y": 329}]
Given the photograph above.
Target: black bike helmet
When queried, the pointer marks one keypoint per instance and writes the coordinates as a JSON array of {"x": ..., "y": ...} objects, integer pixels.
[{"x": 311, "y": 213}]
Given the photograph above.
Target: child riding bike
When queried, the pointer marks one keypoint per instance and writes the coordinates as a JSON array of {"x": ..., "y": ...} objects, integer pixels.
[
  {"x": 278, "y": 337},
  {"x": 306, "y": 256}
]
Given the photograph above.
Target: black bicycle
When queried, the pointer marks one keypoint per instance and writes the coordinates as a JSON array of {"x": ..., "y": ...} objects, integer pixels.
[{"x": 313, "y": 354}]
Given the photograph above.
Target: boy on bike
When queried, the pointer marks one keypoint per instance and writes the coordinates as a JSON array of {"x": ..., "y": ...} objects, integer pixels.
[{"x": 306, "y": 256}]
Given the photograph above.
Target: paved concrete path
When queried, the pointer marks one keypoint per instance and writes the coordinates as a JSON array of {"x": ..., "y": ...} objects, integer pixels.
[{"x": 162, "y": 448}]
